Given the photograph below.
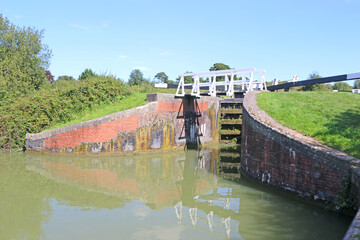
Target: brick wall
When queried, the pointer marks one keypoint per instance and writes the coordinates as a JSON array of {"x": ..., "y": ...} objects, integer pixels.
[
  {"x": 284, "y": 158},
  {"x": 164, "y": 122}
]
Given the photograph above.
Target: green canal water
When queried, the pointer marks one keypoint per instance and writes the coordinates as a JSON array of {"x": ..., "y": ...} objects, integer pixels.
[{"x": 174, "y": 195}]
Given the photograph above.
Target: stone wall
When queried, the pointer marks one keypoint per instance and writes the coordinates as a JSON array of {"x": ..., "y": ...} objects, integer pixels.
[{"x": 162, "y": 123}]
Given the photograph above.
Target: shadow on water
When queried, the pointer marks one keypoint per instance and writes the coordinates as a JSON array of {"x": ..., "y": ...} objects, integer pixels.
[
  {"x": 343, "y": 130},
  {"x": 189, "y": 111}
]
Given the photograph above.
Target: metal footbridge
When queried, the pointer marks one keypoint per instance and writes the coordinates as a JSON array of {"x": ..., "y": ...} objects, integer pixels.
[{"x": 222, "y": 82}]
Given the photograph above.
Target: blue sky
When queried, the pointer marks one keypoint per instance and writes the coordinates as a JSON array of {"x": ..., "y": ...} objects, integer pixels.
[{"x": 283, "y": 37}]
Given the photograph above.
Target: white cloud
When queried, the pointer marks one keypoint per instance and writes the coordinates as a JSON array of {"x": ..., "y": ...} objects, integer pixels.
[
  {"x": 141, "y": 68},
  {"x": 78, "y": 26},
  {"x": 164, "y": 53},
  {"x": 122, "y": 56},
  {"x": 105, "y": 24}
]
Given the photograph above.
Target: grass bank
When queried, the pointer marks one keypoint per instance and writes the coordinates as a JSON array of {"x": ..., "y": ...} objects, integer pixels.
[
  {"x": 133, "y": 100},
  {"x": 136, "y": 98},
  {"x": 331, "y": 118}
]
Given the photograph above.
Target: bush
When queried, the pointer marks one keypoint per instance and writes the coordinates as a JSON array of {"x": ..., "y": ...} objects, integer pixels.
[
  {"x": 342, "y": 86},
  {"x": 56, "y": 103}
]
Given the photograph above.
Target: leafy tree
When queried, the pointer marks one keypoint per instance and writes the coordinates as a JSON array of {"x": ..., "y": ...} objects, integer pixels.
[
  {"x": 23, "y": 58},
  {"x": 187, "y": 79},
  {"x": 342, "y": 86},
  {"x": 357, "y": 84},
  {"x": 65, "y": 78},
  {"x": 316, "y": 87},
  {"x": 49, "y": 76},
  {"x": 219, "y": 66},
  {"x": 162, "y": 77},
  {"x": 314, "y": 75},
  {"x": 136, "y": 78},
  {"x": 87, "y": 73},
  {"x": 64, "y": 82}
]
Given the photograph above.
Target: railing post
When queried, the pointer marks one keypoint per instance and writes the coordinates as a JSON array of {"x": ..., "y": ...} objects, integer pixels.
[
  {"x": 251, "y": 81},
  {"x": 263, "y": 80},
  {"x": 230, "y": 92},
  {"x": 213, "y": 87},
  {"x": 181, "y": 85},
  {"x": 243, "y": 79},
  {"x": 196, "y": 87}
]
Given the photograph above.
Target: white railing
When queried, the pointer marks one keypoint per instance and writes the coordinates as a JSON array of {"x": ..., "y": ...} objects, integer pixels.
[{"x": 244, "y": 78}]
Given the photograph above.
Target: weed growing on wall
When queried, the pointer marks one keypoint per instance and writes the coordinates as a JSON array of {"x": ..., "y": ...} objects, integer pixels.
[{"x": 345, "y": 197}]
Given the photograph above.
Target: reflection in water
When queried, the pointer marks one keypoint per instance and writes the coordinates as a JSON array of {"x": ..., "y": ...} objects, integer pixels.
[{"x": 176, "y": 195}]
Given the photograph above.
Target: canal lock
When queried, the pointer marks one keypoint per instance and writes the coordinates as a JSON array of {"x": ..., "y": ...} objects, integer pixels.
[{"x": 230, "y": 136}]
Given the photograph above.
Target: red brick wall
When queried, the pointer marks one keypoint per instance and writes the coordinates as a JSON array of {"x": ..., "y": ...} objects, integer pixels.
[
  {"x": 98, "y": 133},
  {"x": 282, "y": 157},
  {"x": 133, "y": 128},
  {"x": 278, "y": 164}
]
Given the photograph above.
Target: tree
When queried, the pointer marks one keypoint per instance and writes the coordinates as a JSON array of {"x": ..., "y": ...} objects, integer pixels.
[
  {"x": 65, "y": 78},
  {"x": 342, "y": 86},
  {"x": 136, "y": 78},
  {"x": 87, "y": 73},
  {"x": 49, "y": 76},
  {"x": 23, "y": 58},
  {"x": 219, "y": 66},
  {"x": 162, "y": 77},
  {"x": 187, "y": 79},
  {"x": 316, "y": 87},
  {"x": 357, "y": 84}
]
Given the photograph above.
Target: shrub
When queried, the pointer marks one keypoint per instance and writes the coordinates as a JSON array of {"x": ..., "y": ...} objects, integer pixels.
[{"x": 53, "y": 104}]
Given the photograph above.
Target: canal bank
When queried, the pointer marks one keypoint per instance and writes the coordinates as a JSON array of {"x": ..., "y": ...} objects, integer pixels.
[
  {"x": 164, "y": 122},
  {"x": 286, "y": 159}
]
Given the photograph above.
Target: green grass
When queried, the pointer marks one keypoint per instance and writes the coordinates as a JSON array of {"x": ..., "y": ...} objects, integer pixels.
[
  {"x": 133, "y": 100},
  {"x": 331, "y": 118}
]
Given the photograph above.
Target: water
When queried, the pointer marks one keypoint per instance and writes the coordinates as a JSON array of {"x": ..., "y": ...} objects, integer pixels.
[{"x": 177, "y": 195}]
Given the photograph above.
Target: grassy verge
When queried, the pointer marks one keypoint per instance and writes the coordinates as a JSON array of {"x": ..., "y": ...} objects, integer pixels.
[
  {"x": 133, "y": 100},
  {"x": 331, "y": 118}
]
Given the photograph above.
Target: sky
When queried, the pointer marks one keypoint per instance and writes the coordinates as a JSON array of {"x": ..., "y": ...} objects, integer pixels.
[{"x": 283, "y": 37}]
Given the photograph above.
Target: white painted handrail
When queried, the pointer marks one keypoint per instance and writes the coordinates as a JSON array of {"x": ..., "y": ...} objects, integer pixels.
[{"x": 247, "y": 81}]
